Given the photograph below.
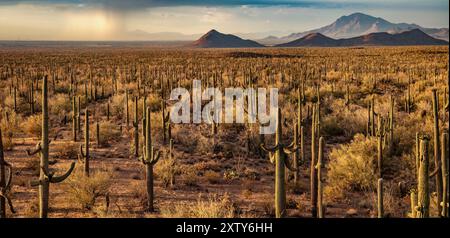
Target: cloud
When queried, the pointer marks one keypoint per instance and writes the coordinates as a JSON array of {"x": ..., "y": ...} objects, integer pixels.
[{"x": 124, "y": 5}]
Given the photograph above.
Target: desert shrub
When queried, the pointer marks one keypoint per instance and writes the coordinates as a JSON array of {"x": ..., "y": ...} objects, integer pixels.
[
  {"x": 251, "y": 174},
  {"x": 59, "y": 105},
  {"x": 32, "y": 126},
  {"x": 230, "y": 175},
  {"x": 216, "y": 206},
  {"x": 352, "y": 167},
  {"x": 9, "y": 127},
  {"x": 166, "y": 170},
  {"x": 118, "y": 106},
  {"x": 343, "y": 121},
  {"x": 84, "y": 191},
  {"x": 212, "y": 177},
  {"x": 9, "y": 101},
  {"x": 66, "y": 150},
  {"x": 187, "y": 139},
  {"x": 204, "y": 145},
  {"x": 108, "y": 132},
  {"x": 154, "y": 102},
  {"x": 189, "y": 175}
]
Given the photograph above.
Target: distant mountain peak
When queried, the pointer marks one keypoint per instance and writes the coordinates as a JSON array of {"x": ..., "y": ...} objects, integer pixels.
[
  {"x": 215, "y": 39},
  {"x": 357, "y": 24},
  {"x": 212, "y": 32}
]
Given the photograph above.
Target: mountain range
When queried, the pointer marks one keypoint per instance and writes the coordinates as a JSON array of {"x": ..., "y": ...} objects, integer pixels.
[
  {"x": 215, "y": 39},
  {"x": 412, "y": 37},
  {"x": 355, "y": 25}
]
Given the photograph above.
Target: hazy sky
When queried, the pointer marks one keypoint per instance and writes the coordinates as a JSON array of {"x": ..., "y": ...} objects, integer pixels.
[{"x": 115, "y": 19}]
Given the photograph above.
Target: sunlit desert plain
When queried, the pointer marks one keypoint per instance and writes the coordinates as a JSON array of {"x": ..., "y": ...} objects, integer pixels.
[{"x": 364, "y": 133}]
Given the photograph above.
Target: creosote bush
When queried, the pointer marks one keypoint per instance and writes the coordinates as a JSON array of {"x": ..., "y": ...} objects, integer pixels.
[
  {"x": 32, "y": 126},
  {"x": 352, "y": 167},
  {"x": 85, "y": 191}
]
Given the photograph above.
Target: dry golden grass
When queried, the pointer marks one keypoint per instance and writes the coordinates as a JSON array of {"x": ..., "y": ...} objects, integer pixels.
[{"x": 215, "y": 206}]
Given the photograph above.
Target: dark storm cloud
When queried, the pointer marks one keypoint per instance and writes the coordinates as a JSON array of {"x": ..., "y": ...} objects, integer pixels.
[{"x": 142, "y": 4}]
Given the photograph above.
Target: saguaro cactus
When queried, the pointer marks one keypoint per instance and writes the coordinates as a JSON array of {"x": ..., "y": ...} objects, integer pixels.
[
  {"x": 136, "y": 128},
  {"x": 149, "y": 158},
  {"x": 165, "y": 120},
  {"x": 97, "y": 133},
  {"x": 319, "y": 179},
  {"x": 126, "y": 108},
  {"x": 380, "y": 198},
  {"x": 31, "y": 99},
  {"x": 279, "y": 155},
  {"x": 445, "y": 174},
  {"x": 296, "y": 159},
  {"x": 172, "y": 168},
  {"x": 380, "y": 136},
  {"x": 437, "y": 172},
  {"x": 45, "y": 175},
  {"x": 423, "y": 199},
  {"x": 5, "y": 182},
  {"x": 85, "y": 156},
  {"x": 391, "y": 126},
  {"x": 74, "y": 119},
  {"x": 144, "y": 110},
  {"x": 417, "y": 154},
  {"x": 79, "y": 116},
  {"x": 15, "y": 99},
  {"x": 108, "y": 110},
  {"x": 314, "y": 159}
]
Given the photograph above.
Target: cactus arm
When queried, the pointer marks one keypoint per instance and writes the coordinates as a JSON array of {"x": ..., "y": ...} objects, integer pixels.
[
  {"x": 8, "y": 200},
  {"x": 35, "y": 183},
  {"x": 81, "y": 152},
  {"x": 59, "y": 179},
  {"x": 166, "y": 117},
  {"x": 288, "y": 164},
  {"x": 35, "y": 151},
  {"x": 269, "y": 149},
  {"x": 9, "y": 181},
  {"x": 272, "y": 158},
  {"x": 435, "y": 171},
  {"x": 46, "y": 172},
  {"x": 291, "y": 150},
  {"x": 142, "y": 159},
  {"x": 155, "y": 156}
]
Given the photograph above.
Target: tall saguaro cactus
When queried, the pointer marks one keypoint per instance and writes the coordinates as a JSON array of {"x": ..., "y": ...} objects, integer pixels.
[
  {"x": 319, "y": 166},
  {"x": 423, "y": 196},
  {"x": 126, "y": 108},
  {"x": 438, "y": 172},
  {"x": 45, "y": 175},
  {"x": 380, "y": 136},
  {"x": 149, "y": 158},
  {"x": 445, "y": 174},
  {"x": 279, "y": 155},
  {"x": 314, "y": 159},
  {"x": 5, "y": 182},
  {"x": 74, "y": 119},
  {"x": 165, "y": 120},
  {"x": 136, "y": 128},
  {"x": 86, "y": 156},
  {"x": 380, "y": 204}
]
